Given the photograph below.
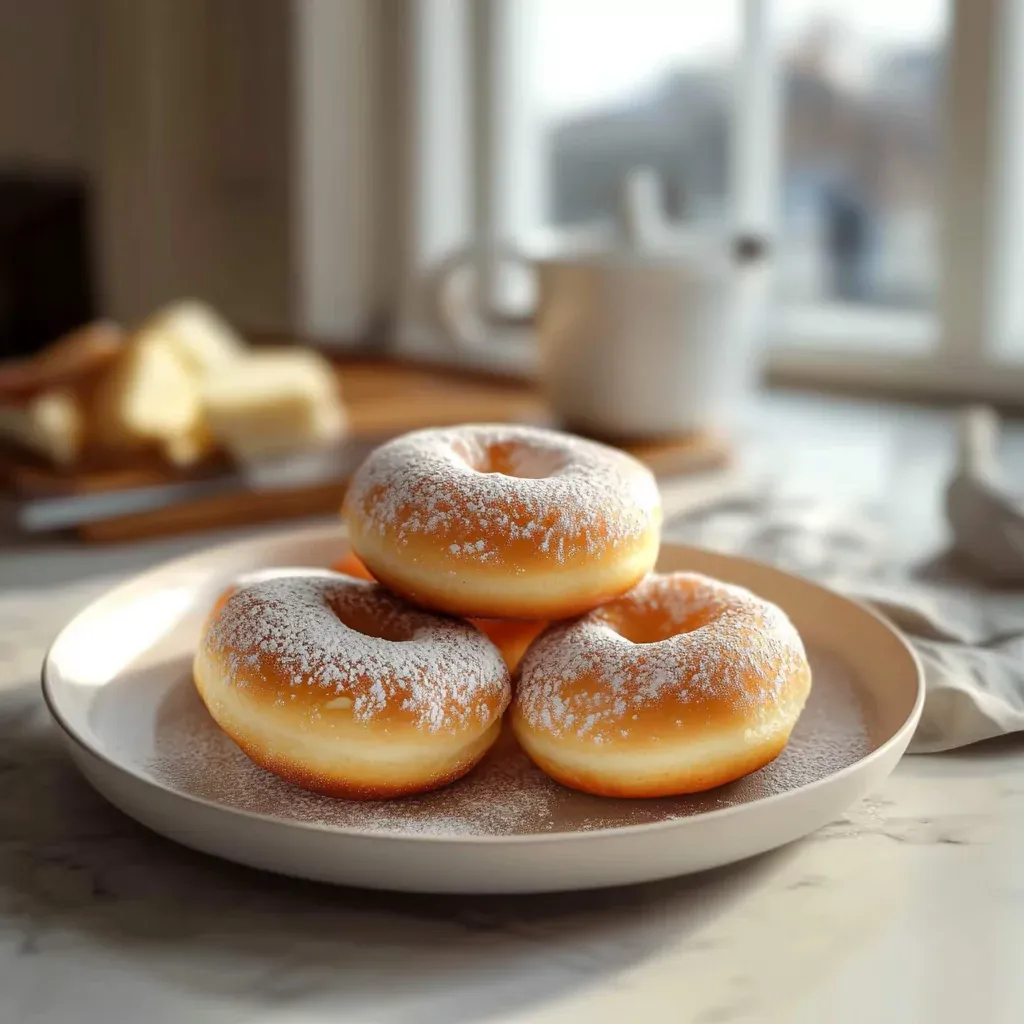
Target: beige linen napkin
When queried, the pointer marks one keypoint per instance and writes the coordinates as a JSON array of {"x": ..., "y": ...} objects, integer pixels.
[{"x": 970, "y": 639}]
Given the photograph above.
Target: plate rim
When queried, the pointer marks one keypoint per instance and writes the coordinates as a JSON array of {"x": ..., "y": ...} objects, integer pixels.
[{"x": 314, "y": 532}]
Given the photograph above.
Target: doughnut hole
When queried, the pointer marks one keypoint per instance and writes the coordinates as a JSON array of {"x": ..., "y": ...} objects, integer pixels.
[
  {"x": 523, "y": 461},
  {"x": 369, "y": 623},
  {"x": 510, "y": 458},
  {"x": 645, "y": 625}
]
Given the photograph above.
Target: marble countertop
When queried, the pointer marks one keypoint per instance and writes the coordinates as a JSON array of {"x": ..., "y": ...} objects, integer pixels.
[{"x": 908, "y": 909}]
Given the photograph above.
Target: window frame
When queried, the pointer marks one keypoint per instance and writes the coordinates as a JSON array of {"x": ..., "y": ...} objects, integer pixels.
[{"x": 467, "y": 141}]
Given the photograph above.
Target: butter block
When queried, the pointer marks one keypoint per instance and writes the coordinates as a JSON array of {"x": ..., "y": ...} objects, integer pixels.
[
  {"x": 188, "y": 448},
  {"x": 151, "y": 397},
  {"x": 274, "y": 402},
  {"x": 196, "y": 335},
  {"x": 148, "y": 398}
]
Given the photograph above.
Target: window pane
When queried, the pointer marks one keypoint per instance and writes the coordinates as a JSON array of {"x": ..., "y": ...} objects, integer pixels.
[
  {"x": 624, "y": 83},
  {"x": 861, "y": 149}
]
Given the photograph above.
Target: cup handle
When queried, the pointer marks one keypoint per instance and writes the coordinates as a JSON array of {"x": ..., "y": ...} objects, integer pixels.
[{"x": 457, "y": 308}]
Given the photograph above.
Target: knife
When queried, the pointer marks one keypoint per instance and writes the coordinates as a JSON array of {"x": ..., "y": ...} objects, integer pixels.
[{"x": 305, "y": 469}]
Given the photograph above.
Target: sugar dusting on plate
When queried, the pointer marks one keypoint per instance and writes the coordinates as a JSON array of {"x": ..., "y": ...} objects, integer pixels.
[{"x": 505, "y": 795}]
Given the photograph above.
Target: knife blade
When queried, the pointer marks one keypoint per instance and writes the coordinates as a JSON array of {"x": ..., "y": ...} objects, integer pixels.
[{"x": 305, "y": 469}]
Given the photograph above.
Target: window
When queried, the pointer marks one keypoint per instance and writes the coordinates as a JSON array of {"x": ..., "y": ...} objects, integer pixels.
[
  {"x": 631, "y": 83},
  {"x": 880, "y": 144},
  {"x": 861, "y": 149}
]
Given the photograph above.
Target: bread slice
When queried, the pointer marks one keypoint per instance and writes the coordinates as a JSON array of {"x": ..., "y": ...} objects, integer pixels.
[{"x": 51, "y": 425}]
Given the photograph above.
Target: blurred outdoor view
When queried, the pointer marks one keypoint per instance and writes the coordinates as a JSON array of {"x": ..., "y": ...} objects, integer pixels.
[{"x": 620, "y": 83}]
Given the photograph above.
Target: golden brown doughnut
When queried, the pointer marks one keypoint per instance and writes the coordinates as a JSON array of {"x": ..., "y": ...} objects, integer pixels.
[
  {"x": 683, "y": 684},
  {"x": 511, "y": 636},
  {"x": 503, "y": 521},
  {"x": 350, "y": 565},
  {"x": 340, "y": 687}
]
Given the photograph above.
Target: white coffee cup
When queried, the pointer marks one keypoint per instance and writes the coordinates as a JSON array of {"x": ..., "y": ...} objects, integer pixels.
[{"x": 651, "y": 335}]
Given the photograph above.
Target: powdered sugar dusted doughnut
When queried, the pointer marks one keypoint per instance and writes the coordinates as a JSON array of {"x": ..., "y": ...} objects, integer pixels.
[
  {"x": 340, "y": 687},
  {"x": 504, "y": 521},
  {"x": 683, "y": 684}
]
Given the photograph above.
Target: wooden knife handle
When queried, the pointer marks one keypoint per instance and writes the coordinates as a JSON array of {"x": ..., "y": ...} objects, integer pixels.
[{"x": 67, "y": 362}]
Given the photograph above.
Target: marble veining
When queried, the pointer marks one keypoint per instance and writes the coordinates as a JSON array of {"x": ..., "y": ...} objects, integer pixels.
[
  {"x": 908, "y": 910},
  {"x": 96, "y": 913}
]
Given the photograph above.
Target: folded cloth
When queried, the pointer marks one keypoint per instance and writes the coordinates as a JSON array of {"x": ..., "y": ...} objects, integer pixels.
[
  {"x": 974, "y": 673},
  {"x": 986, "y": 518},
  {"x": 970, "y": 640}
]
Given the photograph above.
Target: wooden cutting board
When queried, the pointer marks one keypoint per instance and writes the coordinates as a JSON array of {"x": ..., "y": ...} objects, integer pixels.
[{"x": 383, "y": 399}]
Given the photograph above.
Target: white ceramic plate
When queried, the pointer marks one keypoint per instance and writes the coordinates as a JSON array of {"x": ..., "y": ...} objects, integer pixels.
[{"x": 118, "y": 682}]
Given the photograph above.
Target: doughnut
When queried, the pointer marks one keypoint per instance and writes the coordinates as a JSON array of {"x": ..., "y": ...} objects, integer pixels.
[
  {"x": 349, "y": 565},
  {"x": 258, "y": 576},
  {"x": 681, "y": 685},
  {"x": 339, "y": 687},
  {"x": 510, "y": 636},
  {"x": 503, "y": 522}
]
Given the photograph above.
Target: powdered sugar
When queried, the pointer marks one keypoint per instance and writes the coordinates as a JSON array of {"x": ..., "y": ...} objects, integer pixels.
[
  {"x": 731, "y": 638},
  {"x": 505, "y": 795},
  {"x": 428, "y": 665},
  {"x": 477, "y": 489}
]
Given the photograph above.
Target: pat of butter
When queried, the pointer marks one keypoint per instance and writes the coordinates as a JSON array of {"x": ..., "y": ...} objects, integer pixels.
[
  {"x": 151, "y": 397},
  {"x": 187, "y": 448},
  {"x": 196, "y": 335},
  {"x": 273, "y": 402}
]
